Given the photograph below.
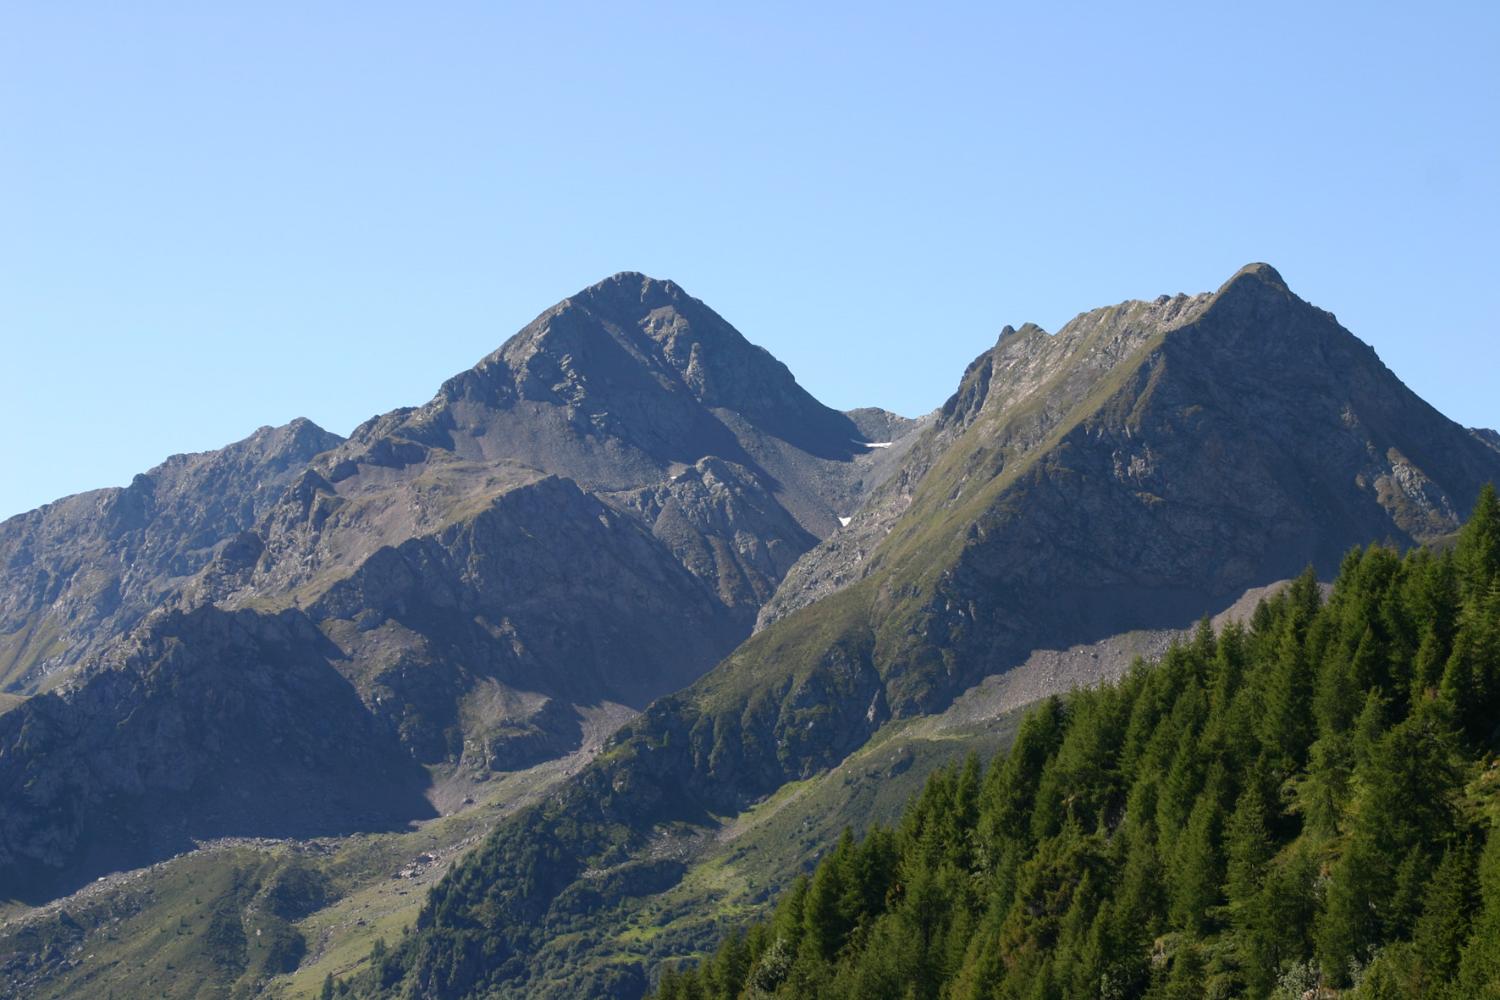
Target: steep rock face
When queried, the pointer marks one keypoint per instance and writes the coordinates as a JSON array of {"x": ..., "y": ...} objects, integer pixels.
[
  {"x": 724, "y": 526},
  {"x": 1029, "y": 375},
  {"x": 470, "y": 646},
  {"x": 619, "y": 385},
  {"x": 470, "y": 642},
  {"x": 80, "y": 572},
  {"x": 203, "y": 724},
  {"x": 1146, "y": 465},
  {"x": 881, "y": 426}
]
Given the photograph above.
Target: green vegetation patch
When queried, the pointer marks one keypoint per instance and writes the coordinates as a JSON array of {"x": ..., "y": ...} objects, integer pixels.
[
  {"x": 1307, "y": 806},
  {"x": 217, "y": 924},
  {"x": 39, "y": 640}
]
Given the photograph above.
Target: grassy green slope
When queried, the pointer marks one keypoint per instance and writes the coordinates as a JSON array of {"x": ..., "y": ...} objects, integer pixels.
[
  {"x": 1308, "y": 806},
  {"x": 739, "y": 863},
  {"x": 22, "y": 650},
  {"x": 988, "y": 457}
]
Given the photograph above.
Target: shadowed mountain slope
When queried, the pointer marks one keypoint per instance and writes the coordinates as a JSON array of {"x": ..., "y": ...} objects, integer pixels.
[{"x": 205, "y": 725}]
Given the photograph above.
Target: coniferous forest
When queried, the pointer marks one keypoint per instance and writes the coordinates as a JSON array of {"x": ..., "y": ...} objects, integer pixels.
[{"x": 1303, "y": 806}]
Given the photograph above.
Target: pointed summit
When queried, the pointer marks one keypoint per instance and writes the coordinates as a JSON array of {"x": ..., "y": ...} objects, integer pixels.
[
  {"x": 639, "y": 360},
  {"x": 623, "y": 383},
  {"x": 1254, "y": 290},
  {"x": 632, "y": 288},
  {"x": 651, "y": 319},
  {"x": 1259, "y": 271}
]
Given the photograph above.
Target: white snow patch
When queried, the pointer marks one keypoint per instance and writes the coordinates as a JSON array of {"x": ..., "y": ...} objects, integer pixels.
[
  {"x": 844, "y": 521},
  {"x": 877, "y": 444}
]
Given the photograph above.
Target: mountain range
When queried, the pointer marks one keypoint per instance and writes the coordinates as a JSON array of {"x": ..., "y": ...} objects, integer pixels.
[{"x": 623, "y": 619}]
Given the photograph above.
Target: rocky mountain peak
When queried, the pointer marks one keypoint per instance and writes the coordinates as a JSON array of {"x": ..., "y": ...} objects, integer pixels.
[
  {"x": 628, "y": 288},
  {"x": 300, "y": 435},
  {"x": 1261, "y": 273},
  {"x": 1256, "y": 293},
  {"x": 611, "y": 386},
  {"x": 633, "y": 318}
]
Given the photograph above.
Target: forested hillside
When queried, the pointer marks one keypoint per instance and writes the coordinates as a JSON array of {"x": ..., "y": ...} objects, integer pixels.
[{"x": 1307, "y": 802}]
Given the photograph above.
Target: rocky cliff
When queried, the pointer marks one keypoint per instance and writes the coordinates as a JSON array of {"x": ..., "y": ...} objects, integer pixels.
[{"x": 204, "y": 724}]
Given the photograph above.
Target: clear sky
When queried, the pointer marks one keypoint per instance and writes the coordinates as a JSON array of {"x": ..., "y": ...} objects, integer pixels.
[{"x": 214, "y": 219}]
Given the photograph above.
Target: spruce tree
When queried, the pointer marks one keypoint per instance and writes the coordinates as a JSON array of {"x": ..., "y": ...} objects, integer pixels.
[
  {"x": 824, "y": 922},
  {"x": 1478, "y": 551},
  {"x": 1286, "y": 724},
  {"x": 1186, "y": 979},
  {"x": 1447, "y": 910},
  {"x": 1479, "y": 968},
  {"x": 1323, "y": 792},
  {"x": 1471, "y": 681},
  {"x": 1248, "y": 849},
  {"x": 1199, "y": 870}
]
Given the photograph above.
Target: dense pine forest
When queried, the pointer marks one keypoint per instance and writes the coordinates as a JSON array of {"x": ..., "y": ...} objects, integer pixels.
[{"x": 1303, "y": 806}]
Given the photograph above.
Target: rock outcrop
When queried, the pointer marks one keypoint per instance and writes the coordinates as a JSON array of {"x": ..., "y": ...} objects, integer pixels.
[
  {"x": 80, "y": 572},
  {"x": 204, "y": 724}
]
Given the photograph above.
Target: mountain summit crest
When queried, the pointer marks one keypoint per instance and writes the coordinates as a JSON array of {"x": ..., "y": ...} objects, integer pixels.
[{"x": 1259, "y": 271}]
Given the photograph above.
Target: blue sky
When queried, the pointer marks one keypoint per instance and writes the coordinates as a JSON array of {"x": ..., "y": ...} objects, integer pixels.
[{"x": 216, "y": 218}]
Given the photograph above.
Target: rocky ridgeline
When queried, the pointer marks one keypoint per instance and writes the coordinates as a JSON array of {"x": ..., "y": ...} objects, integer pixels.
[
  {"x": 78, "y": 573},
  {"x": 592, "y": 516}
]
